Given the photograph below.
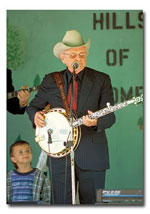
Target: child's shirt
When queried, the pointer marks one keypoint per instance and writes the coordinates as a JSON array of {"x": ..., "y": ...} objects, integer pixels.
[
  {"x": 22, "y": 186},
  {"x": 41, "y": 189}
]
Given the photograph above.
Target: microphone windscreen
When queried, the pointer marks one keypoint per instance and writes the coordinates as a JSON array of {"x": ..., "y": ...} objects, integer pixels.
[{"x": 75, "y": 65}]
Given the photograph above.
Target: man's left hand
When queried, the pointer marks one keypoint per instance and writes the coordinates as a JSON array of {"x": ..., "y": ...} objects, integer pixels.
[{"x": 89, "y": 122}]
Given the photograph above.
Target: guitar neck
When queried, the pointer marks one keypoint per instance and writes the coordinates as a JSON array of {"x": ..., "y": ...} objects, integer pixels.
[
  {"x": 14, "y": 93},
  {"x": 103, "y": 112}
]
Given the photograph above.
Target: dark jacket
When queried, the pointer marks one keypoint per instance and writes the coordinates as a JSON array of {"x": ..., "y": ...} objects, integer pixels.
[
  {"x": 13, "y": 103},
  {"x": 96, "y": 91}
]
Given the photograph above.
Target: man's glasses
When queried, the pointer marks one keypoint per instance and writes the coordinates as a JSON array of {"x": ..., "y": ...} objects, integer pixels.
[{"x": 74, "y": 55}]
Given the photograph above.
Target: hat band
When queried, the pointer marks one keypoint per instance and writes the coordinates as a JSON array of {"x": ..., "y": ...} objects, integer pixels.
[{"x": 73, "y": 45}]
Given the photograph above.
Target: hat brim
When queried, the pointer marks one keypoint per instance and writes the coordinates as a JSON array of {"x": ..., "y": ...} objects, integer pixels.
[{"x": 60, "y": 48}]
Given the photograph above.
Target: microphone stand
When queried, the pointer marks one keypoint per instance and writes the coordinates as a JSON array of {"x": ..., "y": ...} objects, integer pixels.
[
  {"x": 71, "y": 142},
  {"x": 49, "y": 132}
]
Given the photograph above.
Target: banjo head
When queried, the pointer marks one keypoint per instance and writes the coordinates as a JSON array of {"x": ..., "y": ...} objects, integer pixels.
[{"x": 53, "y": 137}]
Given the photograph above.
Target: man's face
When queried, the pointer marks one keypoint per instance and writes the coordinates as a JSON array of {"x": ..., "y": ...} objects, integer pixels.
[
  {"x": 72, "y": 55},
  {"x": 22, "y": 154}
]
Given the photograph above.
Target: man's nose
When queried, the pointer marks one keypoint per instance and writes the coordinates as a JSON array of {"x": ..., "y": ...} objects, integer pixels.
[{"x": 78, "y": 57}]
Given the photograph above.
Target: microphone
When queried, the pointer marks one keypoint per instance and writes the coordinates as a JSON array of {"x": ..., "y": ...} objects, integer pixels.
[
  {"x": 75, "y": 65},
  {"x": 49, "y": 132}
]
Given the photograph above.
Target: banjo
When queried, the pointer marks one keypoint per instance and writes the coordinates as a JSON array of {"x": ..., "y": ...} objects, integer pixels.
[{"x": 53, "y": 137}]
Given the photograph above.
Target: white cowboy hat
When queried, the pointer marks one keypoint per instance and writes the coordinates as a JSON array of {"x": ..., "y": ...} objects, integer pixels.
[{"x": 71, "y": 39}]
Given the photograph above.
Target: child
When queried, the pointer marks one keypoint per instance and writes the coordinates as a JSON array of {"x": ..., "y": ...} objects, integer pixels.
[{"x": 26, "y": 184}]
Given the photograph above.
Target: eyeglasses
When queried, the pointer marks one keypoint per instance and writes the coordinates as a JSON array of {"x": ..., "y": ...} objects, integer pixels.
[{"x": 74, "y": 55}]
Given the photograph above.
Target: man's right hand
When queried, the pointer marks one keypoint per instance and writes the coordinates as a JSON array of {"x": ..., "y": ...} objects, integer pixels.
[{"x": 39, "y": 119}]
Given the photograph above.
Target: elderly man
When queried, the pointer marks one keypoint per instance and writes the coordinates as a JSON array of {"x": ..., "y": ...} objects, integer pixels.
[{"x": 94, "y": 90}]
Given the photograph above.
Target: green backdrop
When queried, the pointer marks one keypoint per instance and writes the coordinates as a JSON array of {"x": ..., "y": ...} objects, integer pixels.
[{"x": 116, "y": 49}]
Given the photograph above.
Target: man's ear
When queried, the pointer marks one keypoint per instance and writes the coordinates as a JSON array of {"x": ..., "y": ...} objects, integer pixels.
[{"x": 62, "y": 58}]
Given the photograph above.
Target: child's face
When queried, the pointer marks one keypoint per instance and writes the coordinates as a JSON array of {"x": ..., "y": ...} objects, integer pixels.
[{"x": 22, "y": 154}]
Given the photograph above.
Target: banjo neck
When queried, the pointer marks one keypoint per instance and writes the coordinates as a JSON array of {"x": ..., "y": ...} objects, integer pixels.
[
  {"x": 108, "y": 110},
  {"x": 13, "y": 94}
]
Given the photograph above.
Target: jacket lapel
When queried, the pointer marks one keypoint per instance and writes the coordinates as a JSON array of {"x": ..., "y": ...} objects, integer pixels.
[{"x": 86, "y": 88}]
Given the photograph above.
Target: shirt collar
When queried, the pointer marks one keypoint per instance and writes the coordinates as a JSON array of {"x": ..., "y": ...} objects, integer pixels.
[{"x": 69, "y": 75}]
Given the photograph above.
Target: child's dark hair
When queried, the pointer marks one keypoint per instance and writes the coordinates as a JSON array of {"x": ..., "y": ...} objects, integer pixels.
[{"x": 17, "y": 143}]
